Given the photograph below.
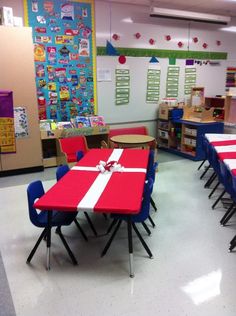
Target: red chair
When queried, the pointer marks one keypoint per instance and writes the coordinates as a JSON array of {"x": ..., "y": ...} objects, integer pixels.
[{"x": 71, "y": 145}]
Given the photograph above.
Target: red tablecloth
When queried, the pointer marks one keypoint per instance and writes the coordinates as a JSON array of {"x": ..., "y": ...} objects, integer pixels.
[
  {"x": 122, "y": 193},
  {"x": 223, "y": 143}
]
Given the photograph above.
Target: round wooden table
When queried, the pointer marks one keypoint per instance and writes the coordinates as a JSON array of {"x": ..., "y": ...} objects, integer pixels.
[{"x": 130, "y": 140}]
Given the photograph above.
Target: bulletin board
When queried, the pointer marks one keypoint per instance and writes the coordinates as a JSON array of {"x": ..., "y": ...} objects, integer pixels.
[{"x": 65, "y": 57}]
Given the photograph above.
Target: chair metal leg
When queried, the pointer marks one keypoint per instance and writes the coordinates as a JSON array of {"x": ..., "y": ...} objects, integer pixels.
[
  {"x": 153, "y": 204},
  {"x": 130, "y": 245},
  {"x": 202, "y": 163},
  {"x": 213, "y": 190},
  {"x": 233, "y": 240},
  {"x": 142, "y": 241},
  {"x": 231, "y": 211},
  {"x": 219, "y": 198},
  {"x": 80, "y": 229},
  {"x": 232, "y": 244},
  {"x": 105, "y": 216},
  {"x": 111, "y": 226},
  {"x": 90, "y": 223},
  {"x": 70, "y": 253},
  {"x": 227, "y": 213},
  {"x": 210, "y": 180},
  {"x": 36, "y": 245},
  {"x": 146, "y": 228},
  {"x": 111, "y": 238},
  {"x": 151, "y": 221},
  {"x": 205, "y": 171},
  {"x": 49, "y": 227}
]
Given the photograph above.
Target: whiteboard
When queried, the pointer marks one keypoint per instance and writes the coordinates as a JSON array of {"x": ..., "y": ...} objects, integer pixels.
[{"x": 210, "y": 77}]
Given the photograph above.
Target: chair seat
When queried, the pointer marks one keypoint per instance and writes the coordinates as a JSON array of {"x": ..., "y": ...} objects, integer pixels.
[{"x": 71, "y": 157}]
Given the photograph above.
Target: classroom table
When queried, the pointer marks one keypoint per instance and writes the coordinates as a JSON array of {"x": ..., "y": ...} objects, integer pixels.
[
  {"x": 132, "y": 140},
  {"x": 88, "y": 187}
]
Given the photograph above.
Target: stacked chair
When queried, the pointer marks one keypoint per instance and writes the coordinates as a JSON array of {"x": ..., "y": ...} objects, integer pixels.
[{"x": 221, "y": 155}]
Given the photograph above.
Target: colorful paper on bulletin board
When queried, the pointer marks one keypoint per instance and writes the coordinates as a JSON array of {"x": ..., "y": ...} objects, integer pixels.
[
  {"x": 7, "y": 131},
  {"x": 65, "y": 57},
  {"x": 21, "y": 122},
  {"x": 172, "y": 82},
  {"x": 153, "y": 84},
  {"x": 190, "y": 80},
  {"x": 230, "y": 78},
  {"x": 122, "y": 86}
]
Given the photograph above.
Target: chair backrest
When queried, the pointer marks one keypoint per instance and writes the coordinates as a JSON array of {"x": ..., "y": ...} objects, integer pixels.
[
  {"x": 79, "y": 155},
  {"x": 152, "y": 166},
  {"x": 71, "y": 145},
  {"x": 34, "y": 191},
  {"x": 140, "y": 130},
  {"x": 61, "y": 171},
  {"x": 144, "y": 212}
]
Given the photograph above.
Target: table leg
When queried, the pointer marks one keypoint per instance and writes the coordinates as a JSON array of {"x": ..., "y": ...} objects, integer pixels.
[
  {"x": 48, "y": 240},
  {"x": 130, "y": 242}
]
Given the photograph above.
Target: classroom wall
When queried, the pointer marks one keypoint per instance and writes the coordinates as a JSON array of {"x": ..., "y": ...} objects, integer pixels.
[{"x": 110, "y": 19}]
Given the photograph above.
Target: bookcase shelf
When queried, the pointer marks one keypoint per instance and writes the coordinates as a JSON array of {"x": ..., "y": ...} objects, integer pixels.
[{"x": 185, "y": 138}]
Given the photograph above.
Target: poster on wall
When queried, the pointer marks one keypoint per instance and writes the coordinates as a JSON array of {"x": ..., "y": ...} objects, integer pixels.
[
  {"x": 190, "y": 79},
  {"x": 21, "y": 122},
  {"x": 153, "y": 84},
  {"x": 230, "y": 78},
  {"x": 7, "y": 132},
  {"x": 172, "y": 82},
  {"x": 64, "y": 55},
  {"x": 122, "y": 86}
]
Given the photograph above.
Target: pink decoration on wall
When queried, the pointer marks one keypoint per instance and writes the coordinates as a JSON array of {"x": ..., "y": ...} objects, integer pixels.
[
  {"x": 137, "y": 35},
  {"x": 204, "y": 45},
  {"x": 151, "y": 41},
  {"x": 180, "y": 44},
  {"x": 122, "y": 59},
  {"x": 195, "y": 40},
  {"x": 168, "y": 37},
  {"x": 115, "y": 37},
  {"x": 218, "y": 43}
]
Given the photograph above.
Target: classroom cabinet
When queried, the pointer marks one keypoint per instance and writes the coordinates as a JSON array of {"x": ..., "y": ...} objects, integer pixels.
[{"x": 185, "y": 138}]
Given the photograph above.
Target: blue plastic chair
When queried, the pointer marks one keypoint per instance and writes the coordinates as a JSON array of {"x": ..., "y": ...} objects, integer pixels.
[
  {"x": 35, "y": 190},
  {"x": 60, "y": 172},
  {"x": 139, "y": 218}
]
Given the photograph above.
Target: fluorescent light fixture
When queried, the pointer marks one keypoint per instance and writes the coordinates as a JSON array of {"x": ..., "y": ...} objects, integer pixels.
[
  {"x": 229, "y": 29},
  {"x": 189, "y": 16}
]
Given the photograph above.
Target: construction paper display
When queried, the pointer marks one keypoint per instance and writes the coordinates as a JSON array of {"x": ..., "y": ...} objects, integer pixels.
[
  {"x": 122, "y": 86},
  {"x": 153, "y": 85},
  {"x": 7, "y": 131},
  {"x": 64, "y": 55},
  {"x": 230, "y": 78},
  {"x": 190, "y": 79},
  {"x": 172, "y": 82},
  {"x": 21, "y": 122}
]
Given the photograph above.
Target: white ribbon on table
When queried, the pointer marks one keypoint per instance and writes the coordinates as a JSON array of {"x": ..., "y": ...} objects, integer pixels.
[
  {"x": 219, "y": 137},
  {"x": 230, "y": 163},
  {"x": 225, "y": 149},
  {"x": 93, "y": 194}
]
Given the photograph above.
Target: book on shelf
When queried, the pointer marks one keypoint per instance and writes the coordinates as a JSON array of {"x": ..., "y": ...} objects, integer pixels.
[
  {"x": 64, "y": 125},
  {"x": 45, "y": 125},
  {"x": 82, "y": 121},
  {"x": 97, "y": 121}
]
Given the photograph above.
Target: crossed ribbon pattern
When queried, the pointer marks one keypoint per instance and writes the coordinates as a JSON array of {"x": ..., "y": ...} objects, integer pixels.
[{"x": 111, "y": 166}]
